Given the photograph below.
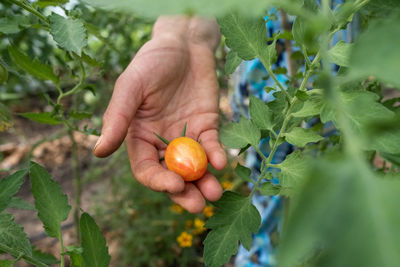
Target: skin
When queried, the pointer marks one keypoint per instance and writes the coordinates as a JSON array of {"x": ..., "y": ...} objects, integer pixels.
[{"x": 170, "y": 81}]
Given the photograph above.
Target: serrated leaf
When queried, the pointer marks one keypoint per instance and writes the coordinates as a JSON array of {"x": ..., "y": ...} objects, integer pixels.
[
  {"x": 243, "y": 173},
  {"x": 260, "y": 114},
  {"x": 373, "y": 53},
  {"x": 68, "y": 33},
  {"x": 3, "y": 73},
  {"x": 12, "y": 235},
  {"x": 235, "y": 221},
  {"x": 300, "y": 137},
  {"x": 363, "y": 109},
  {"x": 293, "y": 170},
  {"x": 95, "y": 251},
  {"x": 232, "y": 62},
  {"x": 269, "y": 189},
  {"x": 44, "y": 117},
  {"x": 238, "y": 135},
  {"x": 46, "y": 258},
  {"x": 10, "y": 25},
  {"x": 248, "y": 38},
  {"x": 33, "y": 67},
  {"x": 312, "y": 106},
  {"x": 18, "y": 203},
  {"x": 51, "y": 203},
  {"x": 9, "y": 186},
  {"x": 340, "y": 54},
  {"x": 393, "y": 158}
]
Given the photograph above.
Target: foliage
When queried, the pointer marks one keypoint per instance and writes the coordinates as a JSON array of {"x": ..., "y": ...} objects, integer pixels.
[{"x": 331, "y": 180}]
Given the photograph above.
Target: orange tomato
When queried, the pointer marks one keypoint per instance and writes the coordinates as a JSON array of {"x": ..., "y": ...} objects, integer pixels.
[{"x": 187, "y": 158}]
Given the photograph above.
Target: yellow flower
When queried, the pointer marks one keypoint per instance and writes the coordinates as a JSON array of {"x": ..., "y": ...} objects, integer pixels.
[
  {"x": 208, "y": 211},
  {"x": 176, "y": 208},
  {"x": 185, "y": 240},
  {"x": 226, "y": 185},
  {"x": 199, "y": 225}
]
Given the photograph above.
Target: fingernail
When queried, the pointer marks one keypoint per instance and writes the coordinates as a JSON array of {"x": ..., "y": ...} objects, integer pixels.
[{"x": 98, "y": 142}]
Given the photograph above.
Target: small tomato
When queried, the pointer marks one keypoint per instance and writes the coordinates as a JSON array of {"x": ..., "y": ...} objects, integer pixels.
[{"x": 187, "y": 158}]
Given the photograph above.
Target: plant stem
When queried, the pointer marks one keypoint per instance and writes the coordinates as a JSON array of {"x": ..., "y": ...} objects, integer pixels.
[
  {"x": 77, "y": 182},
  {"x": 283, "y": 128},
  {"x": 272, "y": 74},
  {"x": 76, "y": 87},
  {"x": 62, "y": 250},
  {"x": 17, "y": 254},
  {"x": 30, "y": 9}
]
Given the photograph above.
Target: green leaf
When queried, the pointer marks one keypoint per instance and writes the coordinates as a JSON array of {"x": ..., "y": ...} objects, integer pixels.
[
  {"x": 243, "y": 173},
  {"x": 341, "y": 195},
  {"x": 260, "y": 114},
  {"x": 393, "y": 158},
  {"x": 238, "y": 135},
  {"x": 248, "y": 38},
  {"x": 235, "y": 221},
  {"x": 68, "y": 33},
  {"x": 45, "y": 3},
  {"x": 9, "y": 186},
  {"x": 340, "y": 54},
  {"x": 12, "y": 235},
  {"x": 6, "y": 263},
  {"x": 44, "y": 257},
  {"x": 300, "y": 137},
  {"x": 373, "y": 53},
  {"x": 269, "y": 189},
  {"x": 363, "y": 109},
  {"x": 33, "y": 67},
  {"x": 207, "y": 8},
  {"x": 6, "y": 120},
  {"x": 18, "y": 203},
  {"x": 293, "y": 170},
  {"x": 80, "y": 115},
  {"x": 3, "y": 73},
  {"x": 312, "y": 106},
  {"x": 75, "y": 254},
  {"x": 45, "y": 117},
  {"x": 95, "y": 251},
  {"x": 10, "y": 25},
  {"x": 51, "y": 203},
  {"x": 232, "y": 62}
]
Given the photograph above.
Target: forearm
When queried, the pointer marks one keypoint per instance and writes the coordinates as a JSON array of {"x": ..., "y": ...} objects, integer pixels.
[{"x": 190, "y": 30}]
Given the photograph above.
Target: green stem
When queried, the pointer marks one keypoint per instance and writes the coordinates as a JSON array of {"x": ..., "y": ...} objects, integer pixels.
[
  {"x": 62, "y": 250},
  {"x": 30, "y": 9},
  {"x": 17, "y": 254},
  {"x": 76, "y": 88},
  {"x": 283, "y": 128},
  {"x": 272, "y": 74},
  {"x": 77, "y": 183}
]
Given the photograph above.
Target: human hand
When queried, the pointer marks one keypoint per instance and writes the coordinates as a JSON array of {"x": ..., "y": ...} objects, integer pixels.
[{"x": 170, "y": 81}]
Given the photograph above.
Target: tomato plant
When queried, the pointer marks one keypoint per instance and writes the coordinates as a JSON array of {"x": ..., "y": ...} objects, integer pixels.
[{"x": 187, "y": 158}]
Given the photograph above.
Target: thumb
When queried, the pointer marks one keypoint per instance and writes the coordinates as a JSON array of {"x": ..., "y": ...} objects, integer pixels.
[{"x": 125, "y": 100}]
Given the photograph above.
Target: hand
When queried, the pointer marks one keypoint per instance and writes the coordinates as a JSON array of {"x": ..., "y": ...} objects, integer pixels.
[{"x": 170, "y": 81}]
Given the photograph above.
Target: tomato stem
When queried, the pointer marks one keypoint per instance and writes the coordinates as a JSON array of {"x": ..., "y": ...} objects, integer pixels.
[
  {"x": 165, "y": 141},
  {"x": 184, "y": 130}
]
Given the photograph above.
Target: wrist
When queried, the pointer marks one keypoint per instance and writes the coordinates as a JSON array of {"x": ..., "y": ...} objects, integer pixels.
[{"x": 188, "y": 30}]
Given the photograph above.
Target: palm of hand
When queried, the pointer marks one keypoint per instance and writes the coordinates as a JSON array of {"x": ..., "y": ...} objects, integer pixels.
[{"x": 166, "y": 85}]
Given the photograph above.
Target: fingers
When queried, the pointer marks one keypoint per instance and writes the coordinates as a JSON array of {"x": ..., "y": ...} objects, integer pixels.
[
  {"x": 190, "y": 199},
  {"x": 209, "y": 187},
  {"x": 124, "y": 102},
  {"x": 147, "y": 169},
  {"x": 215, "y": 154}
]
